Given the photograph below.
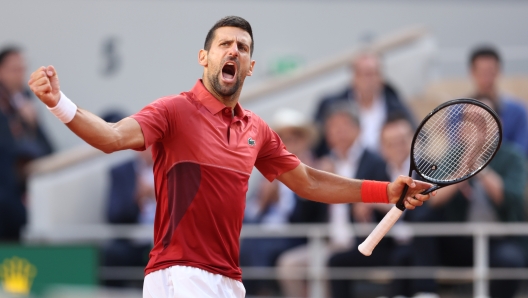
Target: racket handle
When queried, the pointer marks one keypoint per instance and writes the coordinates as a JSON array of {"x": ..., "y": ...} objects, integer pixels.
[{"x": 380, "y": 231}]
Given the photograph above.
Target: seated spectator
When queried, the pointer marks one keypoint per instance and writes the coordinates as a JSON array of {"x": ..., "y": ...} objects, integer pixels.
[
  {"x": 396, "y": 140},
  {"x": 373, "y": 99},
  {"x": 12, "y": 211},
  {"x": 275, "y": 204},
  {"x": 494, "y": 195},
  {"x": 485, "y": 66},
  {"x": 348, "y": 157},
  {"x": 30, "y": 140},
  {"x": 131, "y": 200}
]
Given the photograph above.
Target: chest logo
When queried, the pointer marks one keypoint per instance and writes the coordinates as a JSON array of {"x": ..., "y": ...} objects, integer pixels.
[{"x": 251, "y": 142}]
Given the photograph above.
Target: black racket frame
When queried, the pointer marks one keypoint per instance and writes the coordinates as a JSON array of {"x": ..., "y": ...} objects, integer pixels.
[{"x": 437, "y": 185}]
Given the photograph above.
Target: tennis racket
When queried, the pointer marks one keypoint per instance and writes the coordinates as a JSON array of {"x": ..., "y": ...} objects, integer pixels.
[{"x": 452, "y": 143}]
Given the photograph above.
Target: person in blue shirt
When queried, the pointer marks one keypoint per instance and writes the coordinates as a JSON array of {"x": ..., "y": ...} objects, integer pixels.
[{"x": 485, "y": 67}]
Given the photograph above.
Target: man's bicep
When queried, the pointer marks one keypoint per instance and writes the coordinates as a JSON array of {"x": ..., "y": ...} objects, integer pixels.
[{"x": 131, "y": 134}]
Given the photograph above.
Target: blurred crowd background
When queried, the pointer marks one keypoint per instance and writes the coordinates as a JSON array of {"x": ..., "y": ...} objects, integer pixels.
[{"x": 344, "y": 84}]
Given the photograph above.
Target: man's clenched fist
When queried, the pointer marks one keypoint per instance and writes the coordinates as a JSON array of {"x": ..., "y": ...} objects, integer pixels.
[{"x": 44, "y": 82}]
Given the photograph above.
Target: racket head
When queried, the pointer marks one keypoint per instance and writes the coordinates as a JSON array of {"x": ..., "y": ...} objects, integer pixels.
[{"x": 455, "y": 141}]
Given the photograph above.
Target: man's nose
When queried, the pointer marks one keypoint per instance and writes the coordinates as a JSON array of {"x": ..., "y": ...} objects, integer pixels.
[{"x": 233, "y": 50}]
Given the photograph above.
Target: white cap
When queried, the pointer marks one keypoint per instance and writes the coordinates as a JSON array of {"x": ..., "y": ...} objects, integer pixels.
[{"x": 290, "y": 118}]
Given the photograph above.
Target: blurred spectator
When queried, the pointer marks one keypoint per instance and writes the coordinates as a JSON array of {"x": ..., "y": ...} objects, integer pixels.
[
  {"x": 131, "y": 201},
  {"x": 273, "y": 204},
  {"x": 373, "y": 99},
  {"x": 348, "y": 157},
  {"x": 12, "y": 212},
  {"x": 485, "y": 66},
  {"x": 396, "y": 140},
  {"x": 351, "y": 158},
  {"x": 30, "y": 140},
  {"x": 494, "y": 195}
]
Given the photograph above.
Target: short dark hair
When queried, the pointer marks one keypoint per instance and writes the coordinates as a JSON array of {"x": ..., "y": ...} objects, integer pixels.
[
  {"x": 229, "y": 21},
  {"x": 484, "y": 51},
  {"x": 344, "y": 108},
  {"x": 396, "y": 116},
  {"x": 8, "y": 51}
]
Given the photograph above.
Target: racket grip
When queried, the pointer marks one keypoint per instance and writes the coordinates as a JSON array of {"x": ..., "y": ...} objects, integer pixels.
[{"x": 380, "y": 231}]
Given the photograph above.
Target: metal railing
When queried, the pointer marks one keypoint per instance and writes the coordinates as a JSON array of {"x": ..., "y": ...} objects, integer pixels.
[{"x": 317, "y": 273}]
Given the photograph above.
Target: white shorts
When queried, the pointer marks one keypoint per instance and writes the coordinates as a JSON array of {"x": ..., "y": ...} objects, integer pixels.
[{"x": 190, "y": 282}]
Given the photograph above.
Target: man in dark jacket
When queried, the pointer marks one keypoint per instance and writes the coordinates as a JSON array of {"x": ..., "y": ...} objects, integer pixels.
[
  {"x": 30, "y": 141},
  {"x": 350, "y": 157},
  {"x": 12, "y": 212},
  {"x": 373, "y": 99}
]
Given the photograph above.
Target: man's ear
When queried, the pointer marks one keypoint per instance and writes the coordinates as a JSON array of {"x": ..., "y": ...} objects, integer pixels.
[
  {"x": 250, "y": 71},
  {"x": 202, "y": 57}
]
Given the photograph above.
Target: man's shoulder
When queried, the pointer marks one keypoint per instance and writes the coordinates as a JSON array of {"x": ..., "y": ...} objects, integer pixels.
[
  {"x": 509, "y": 151},
  {"x": 372, "y": 157},
  {"x": 331, "y": 99},
  {"x": 176, "y": 98},
  {"x": 254, "y": 117},
  {"x": 176, "y": 102},
  {"x": 372, "y": 166},
  {"x": 513, "y": 103}
]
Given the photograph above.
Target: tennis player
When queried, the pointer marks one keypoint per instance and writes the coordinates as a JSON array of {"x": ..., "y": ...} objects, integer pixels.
[{"x": 204, "y": 146}]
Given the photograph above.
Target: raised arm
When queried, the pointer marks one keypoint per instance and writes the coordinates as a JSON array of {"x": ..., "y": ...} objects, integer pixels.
[
  {"x": 328, "y": 188},
  {"x": 107, "y": 137}
]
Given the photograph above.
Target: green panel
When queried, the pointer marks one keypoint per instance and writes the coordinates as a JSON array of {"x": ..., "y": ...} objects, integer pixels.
[{"x": 50, "y": 265}]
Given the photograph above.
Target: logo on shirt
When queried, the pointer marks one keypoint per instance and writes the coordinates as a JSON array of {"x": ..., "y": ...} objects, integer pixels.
[{"x": 251, "y": 142}]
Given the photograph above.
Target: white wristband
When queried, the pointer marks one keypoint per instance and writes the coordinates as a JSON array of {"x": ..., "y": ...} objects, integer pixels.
[{"x": 65, "y": 109}]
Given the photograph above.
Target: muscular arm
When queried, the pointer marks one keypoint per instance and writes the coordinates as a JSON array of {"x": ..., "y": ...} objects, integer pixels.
[
  {"x": 107, "y": 137},
  {"x": 325, "y": 187}
]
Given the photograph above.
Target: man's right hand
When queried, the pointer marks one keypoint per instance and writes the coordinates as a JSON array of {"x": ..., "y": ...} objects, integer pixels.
[{"x": 44, "y": 82}]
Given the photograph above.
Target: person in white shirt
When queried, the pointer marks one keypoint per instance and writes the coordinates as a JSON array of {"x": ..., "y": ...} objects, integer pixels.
[
  {"x": 396, "y": 140},
  {"x": 370, "y": 95},
  {"x": 348, "y": 157}
]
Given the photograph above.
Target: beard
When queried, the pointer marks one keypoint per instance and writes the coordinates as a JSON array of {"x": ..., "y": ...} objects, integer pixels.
[{"x": 219, "y": 88}]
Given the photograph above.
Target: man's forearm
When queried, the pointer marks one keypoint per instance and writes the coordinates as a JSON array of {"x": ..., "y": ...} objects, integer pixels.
[
  {"x": 107, "y": 137},
  {"x": 328, "y": 188},
  {"x": 325, "y": 187}
]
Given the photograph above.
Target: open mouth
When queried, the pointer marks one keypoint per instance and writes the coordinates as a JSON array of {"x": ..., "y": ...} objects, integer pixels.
[{"x": 229, "y": 71}]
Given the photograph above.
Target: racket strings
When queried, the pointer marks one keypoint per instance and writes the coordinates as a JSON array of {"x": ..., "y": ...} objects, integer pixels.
[
  {"x": 455, "y": 142},
  {"x": 459, "y": 151},
  {"x": 457, "y": 169}
]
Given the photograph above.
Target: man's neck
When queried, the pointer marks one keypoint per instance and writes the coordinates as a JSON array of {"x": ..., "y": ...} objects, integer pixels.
[
  {"x": 492, "y": 93},
  {"x": 228, "y": 101},
  {"x": 365, "y": 101}
]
